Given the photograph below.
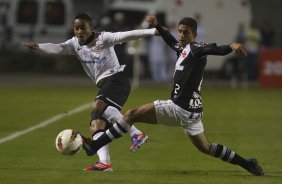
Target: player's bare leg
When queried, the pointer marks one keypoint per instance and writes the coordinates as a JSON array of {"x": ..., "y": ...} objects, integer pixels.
[
  {"x": 137, "y": 137},
  {"x": 226, "y": 154},
  {"x": 145, "y": 113},
  {"x": 97, "y": 128}
]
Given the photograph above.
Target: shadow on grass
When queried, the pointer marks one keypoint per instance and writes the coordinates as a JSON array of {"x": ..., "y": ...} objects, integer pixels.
[{"x": 277, "y": 174}]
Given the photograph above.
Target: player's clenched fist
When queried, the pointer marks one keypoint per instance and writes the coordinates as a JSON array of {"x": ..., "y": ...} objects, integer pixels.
[
  {"x": 238, "y": 49},
  {"x": 31, "y": 45},
  {"x": 152, "y": 20}
]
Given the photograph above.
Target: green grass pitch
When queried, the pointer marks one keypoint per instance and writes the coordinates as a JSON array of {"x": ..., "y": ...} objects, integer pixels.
[{"x": 247, "y": 121}]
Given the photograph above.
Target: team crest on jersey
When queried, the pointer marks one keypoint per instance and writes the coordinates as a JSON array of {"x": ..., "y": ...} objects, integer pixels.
[{"x": 184, "y": 53}]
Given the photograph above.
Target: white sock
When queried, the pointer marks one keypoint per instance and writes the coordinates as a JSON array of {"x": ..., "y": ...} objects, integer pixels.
[
  {"x": 103, "y": 153},
  {"x": 133, "y": 130},
  {"x": 112, "y": 114}
]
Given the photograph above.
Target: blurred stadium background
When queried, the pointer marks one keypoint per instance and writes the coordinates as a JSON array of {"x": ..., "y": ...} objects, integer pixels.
[
  {"x": 242, "y": 107},
  {"x": 220, "y": 21}
]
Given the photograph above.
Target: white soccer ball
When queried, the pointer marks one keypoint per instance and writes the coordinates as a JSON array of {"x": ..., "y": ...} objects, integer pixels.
[{"x": 68, "y": 142}]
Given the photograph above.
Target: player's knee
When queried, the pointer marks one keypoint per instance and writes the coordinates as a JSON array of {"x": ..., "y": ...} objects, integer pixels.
[
  {"x": 92, "y": 129},
  {"x": 97, "y": 125},
  {"x": 96, "y": 113},
  {"x": 98, "y": 106}
]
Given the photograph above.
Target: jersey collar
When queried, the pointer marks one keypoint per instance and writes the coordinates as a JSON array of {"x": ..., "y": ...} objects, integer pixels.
[{"x": 90, "y": 39}]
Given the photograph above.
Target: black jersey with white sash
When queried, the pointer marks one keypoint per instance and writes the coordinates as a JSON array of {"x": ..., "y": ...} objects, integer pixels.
[{"x": 189, "y": 70}]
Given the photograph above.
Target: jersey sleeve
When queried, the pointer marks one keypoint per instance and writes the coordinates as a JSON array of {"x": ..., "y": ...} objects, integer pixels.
[
  {"x": 169, "y": 39},
  {"x": 110, "y": 39},
  {"x": 61, "y": 48},
  {"x": 203, "y": 49}
]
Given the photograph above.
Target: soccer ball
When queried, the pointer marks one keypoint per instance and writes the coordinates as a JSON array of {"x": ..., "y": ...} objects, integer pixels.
[{"x": 68, "y": 142}]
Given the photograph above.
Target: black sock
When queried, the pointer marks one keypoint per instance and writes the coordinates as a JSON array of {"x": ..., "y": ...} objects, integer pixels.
[
  {"x": 101, "y": 141},
  {"x": 238, "y": 160},
  {"x": 227, "y": 155},
  {"x": 112, "y": 133}
]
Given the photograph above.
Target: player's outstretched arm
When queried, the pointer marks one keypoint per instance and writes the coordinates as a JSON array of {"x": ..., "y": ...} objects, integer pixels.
[
  {"x": 238, "y": 49},
  {"x": 110, "y": 39},
  {"x": 48, "y": 48},
  {"x": 222, "y": 50},
  {"x": 31, "y": 45}
]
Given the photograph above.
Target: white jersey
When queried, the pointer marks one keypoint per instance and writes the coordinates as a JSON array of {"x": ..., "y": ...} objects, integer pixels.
[{"x": 98, "y": 57}]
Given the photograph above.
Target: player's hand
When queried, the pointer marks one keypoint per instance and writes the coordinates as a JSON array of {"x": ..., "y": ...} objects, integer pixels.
[
  {"x": 152, "y": 20},
  {"x": 238, "y": 49},
  {"x": 31, "y": 45}
]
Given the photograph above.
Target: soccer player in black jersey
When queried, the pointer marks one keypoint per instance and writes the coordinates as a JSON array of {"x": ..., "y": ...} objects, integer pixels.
[{"x": 185, "y": 104}]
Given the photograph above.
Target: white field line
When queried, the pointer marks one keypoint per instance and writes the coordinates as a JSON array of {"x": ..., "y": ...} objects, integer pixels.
[{"x": 44, "y": 123}]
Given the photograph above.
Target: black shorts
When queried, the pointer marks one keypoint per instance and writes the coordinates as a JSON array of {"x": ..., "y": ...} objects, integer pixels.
[{"x": 115, "y": 90}]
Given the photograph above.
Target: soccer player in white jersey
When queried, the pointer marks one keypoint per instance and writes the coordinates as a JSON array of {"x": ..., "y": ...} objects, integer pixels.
[
  {"x": 184, "y": 107},
  {"x": 98, "y": 58}
]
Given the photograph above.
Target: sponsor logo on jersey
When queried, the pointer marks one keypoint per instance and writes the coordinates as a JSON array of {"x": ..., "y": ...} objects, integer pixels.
[
  {"x": 99, "y": 61},
  {"x": 195, "y": 101},
  {"x": 184, "y": 54},
  {"x": 198, "y": 44}
]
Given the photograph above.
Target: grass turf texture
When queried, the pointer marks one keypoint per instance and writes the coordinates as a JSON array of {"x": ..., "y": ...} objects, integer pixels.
[{"x": 247, "y": 121}]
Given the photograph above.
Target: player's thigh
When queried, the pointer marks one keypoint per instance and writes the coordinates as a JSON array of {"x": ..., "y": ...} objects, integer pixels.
[
  {"x": 115, "y": 91},
  {"x": 98, "y": 106},
  {"x": 144, "y": 113},
  {"x": 167, "y": 113}
]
